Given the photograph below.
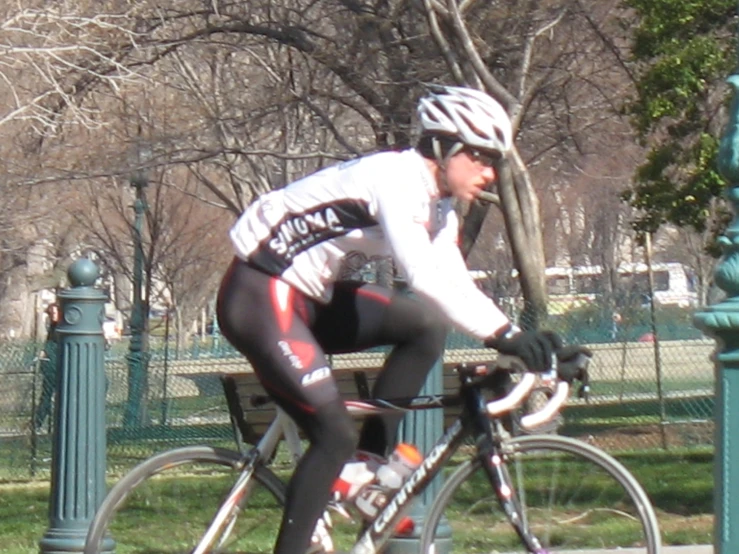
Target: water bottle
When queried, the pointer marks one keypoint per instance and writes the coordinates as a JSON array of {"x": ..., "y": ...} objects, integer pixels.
[
  {"x": 389, "y": 477},
  {"x": 358, "y": 471},
  {"x": 400, "y": 465}
]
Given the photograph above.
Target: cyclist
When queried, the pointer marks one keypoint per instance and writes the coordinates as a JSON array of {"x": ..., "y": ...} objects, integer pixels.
[
  {"x": 48, "y": 366},
  {"x": 283, "y": 306}
]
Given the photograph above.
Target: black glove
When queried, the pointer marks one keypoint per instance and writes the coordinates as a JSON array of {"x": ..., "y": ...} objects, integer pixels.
[{"x": 535, "y": 348}]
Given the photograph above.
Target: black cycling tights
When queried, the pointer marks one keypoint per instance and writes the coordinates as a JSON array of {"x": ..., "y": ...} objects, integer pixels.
[{"x": 286, "y": 336}]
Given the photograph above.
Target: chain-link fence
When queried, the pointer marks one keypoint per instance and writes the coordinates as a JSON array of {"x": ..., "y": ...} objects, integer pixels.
[{"x": 646, "y": 393}]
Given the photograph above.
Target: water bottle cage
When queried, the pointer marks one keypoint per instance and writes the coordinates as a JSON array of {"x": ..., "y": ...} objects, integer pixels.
[{"x": 370, "y": 500}]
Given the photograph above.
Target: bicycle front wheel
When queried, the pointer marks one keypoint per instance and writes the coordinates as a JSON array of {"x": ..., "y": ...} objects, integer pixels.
[
  {"x": 574, "y": 498},
  {"x": 165, "y": 504}
]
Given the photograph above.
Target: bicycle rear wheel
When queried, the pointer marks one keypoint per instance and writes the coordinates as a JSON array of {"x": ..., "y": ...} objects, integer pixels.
[
  {"x": 165, "y": 504},
  {"x": 574, "y": 497}
]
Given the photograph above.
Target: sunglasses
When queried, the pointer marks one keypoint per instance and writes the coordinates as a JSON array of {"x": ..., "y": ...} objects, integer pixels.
[{"x": 486, "y": 159}]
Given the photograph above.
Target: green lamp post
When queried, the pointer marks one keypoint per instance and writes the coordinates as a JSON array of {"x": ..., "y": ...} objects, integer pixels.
[
  {"x": 134, "y": 414},
  {"x": 721, "y": 321}
]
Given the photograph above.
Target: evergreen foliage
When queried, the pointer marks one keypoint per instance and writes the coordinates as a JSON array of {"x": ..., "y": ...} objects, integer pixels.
[{"x": 682, "y": 52}]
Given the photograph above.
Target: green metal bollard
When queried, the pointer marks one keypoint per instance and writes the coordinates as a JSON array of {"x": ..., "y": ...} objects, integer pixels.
[
  {"x": 78, "y": 456},
  {"x": 422, "y": 428},
  {"x": 721, "y": 321}
]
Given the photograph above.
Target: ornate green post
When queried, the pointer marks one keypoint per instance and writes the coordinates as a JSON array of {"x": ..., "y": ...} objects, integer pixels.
[
  {"x": 138, "y": 361},
  {"x": 78, "y": 455},
  {"x": 721, "y": 321},
  {"x": 422, "y": 428}
]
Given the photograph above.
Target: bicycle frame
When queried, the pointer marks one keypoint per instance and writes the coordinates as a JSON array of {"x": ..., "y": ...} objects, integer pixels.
[{"x": 282, "y": 426}]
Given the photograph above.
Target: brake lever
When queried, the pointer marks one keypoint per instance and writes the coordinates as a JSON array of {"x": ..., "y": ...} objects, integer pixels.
[{"x": 577, "y": 368}]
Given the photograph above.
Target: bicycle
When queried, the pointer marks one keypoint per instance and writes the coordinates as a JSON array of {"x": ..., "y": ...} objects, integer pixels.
[{"x": 532, "y": 507}]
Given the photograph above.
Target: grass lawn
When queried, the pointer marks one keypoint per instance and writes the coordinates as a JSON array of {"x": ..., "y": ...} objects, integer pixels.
[{"x": 680, "y": 485}]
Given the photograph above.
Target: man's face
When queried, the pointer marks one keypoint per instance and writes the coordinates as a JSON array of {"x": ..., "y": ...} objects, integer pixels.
[{"x": 469, "y": 172}]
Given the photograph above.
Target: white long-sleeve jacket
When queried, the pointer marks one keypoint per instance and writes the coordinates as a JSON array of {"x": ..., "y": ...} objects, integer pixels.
[{"x": 386, "y": 203}]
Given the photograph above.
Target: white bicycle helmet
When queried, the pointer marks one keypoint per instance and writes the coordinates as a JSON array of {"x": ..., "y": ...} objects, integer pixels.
[{"x": 472, "y": 117}]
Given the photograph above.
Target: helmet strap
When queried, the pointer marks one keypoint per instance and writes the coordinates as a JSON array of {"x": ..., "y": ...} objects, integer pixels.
[{"x": 442, "y": 160}]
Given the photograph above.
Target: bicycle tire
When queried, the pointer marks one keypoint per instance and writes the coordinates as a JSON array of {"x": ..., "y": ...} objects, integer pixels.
[
  {"x": 565, "y": 512},
  {"x": 159, "y": 494}
]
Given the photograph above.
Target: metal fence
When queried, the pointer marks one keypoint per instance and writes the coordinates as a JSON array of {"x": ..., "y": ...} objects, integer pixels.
[{"x": 646, "y": 394}]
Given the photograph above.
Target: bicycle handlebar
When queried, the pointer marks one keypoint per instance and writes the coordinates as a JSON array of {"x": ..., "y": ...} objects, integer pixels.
[
  {"x": 514, "y": 398},
  {"x": 550, "y": 409},
  {"x": 575, "y": 367}
]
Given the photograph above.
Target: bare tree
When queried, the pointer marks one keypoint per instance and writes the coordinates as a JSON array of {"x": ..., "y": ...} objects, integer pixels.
[{"x": 51, "y": 56}]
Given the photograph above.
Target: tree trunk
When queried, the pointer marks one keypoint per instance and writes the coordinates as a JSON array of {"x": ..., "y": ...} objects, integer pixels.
[
  {"x": 520, "y": 208},
  {"x": 471, "y": 226}
]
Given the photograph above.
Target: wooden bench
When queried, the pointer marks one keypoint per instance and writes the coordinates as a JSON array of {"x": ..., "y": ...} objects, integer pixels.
[
  {"x": 208, "y": 383},
  {"x": 250, "y": 422}
]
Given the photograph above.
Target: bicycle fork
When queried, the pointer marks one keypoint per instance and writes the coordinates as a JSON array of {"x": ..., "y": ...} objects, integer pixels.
[
  {"x": 492, "y": 456},
  {"x": 493, "y": 460}
]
